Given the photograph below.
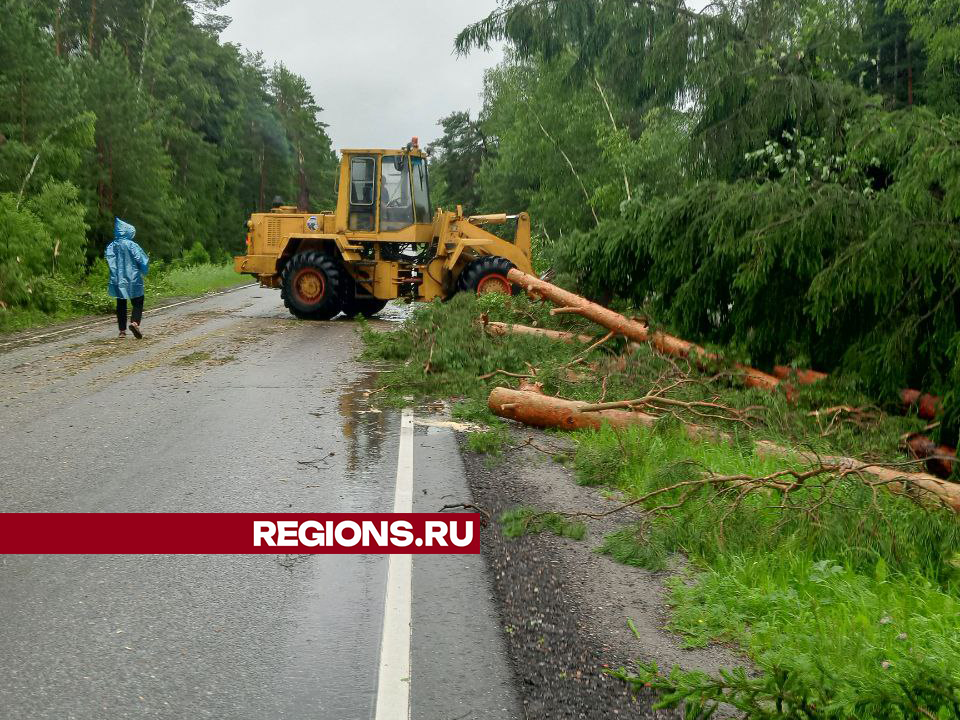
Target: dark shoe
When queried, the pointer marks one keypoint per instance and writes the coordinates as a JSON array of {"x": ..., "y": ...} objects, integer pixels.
[
  {"x": 123, "y": 333},
  {"x": 135, "y": 329}
]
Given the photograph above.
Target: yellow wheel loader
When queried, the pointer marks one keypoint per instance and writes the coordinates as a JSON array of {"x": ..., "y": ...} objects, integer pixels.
[{"x": 381, "y": 243}]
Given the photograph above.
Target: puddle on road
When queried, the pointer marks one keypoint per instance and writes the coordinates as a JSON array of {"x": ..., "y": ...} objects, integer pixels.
[{"x": 364, "y": 425}]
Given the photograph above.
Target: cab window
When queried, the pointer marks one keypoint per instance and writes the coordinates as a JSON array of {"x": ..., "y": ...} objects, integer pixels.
[
  {"x": 362, "y": 193},
  {"x": 421, "y": 193},
  {"x": 396, "y": 208}
]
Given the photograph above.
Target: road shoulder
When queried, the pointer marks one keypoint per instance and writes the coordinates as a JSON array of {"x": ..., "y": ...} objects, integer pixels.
[{"x": 564, "y": 607}]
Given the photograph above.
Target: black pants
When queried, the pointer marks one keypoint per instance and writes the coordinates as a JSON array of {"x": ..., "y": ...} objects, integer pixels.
[{"x": 122, "y": 311}]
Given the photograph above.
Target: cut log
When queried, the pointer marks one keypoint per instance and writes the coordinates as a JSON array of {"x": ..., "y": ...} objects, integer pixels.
[
  {"x": 547, "y": 411},
  {"x": 927, "y": 405},
  {"x": 800, "y": 376},
  {"x": 551, "y": 412},
  {"x": 499, "y": 328},
  {"x": 940, "y": 459},
  {"x": 634, "y": 330}
]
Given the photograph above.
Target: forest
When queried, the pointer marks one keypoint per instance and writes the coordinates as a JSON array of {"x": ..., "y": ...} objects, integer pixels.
[
  {"x": 138, "y": 110},
  {"x": 777, "y": 177},
  {"x": 781, "y": 178}
]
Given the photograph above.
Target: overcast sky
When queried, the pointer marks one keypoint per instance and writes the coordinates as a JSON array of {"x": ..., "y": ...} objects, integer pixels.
[{"x": 382, "y": 70}]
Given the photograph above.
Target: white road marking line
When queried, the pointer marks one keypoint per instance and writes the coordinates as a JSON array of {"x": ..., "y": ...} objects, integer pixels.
[
  {"x": 393, "y": 682},
  {"x": 77, "y": 328}
]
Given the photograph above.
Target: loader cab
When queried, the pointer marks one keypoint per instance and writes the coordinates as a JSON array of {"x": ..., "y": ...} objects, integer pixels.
[{"x": 384, "y": 192}]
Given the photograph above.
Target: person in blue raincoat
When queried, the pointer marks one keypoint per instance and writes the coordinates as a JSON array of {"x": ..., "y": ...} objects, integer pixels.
[{"x": 128, "y": 266}]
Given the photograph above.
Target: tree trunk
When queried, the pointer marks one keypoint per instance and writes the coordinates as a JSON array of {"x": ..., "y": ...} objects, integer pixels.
[
  {"x": 146, "y": 44},
  {"x": 545, "y": 411},
  {"x": 93, "y": 20},
  {"x": 499, "y": 328},
  {"x": 263, "y": 179},
  {"x": 56, "y": 29},
  {"x": 636, "y": 331},
  {"x": 798, "y": 375},
  {"x": 303, "y": 197},
  {"x": 927, "y": 405}
]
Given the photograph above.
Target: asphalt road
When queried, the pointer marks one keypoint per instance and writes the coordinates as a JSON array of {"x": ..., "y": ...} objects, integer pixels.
[{"x": 227, "y": 405}]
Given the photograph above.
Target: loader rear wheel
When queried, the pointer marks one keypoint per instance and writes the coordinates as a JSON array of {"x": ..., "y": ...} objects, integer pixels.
[
  {"x": 312, "y": 286},
  {"x": 487, "y": 274}
]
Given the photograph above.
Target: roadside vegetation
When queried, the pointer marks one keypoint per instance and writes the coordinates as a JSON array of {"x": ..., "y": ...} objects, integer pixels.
[
  {"x": 775, "y": 177},
  {"x": 846, "y": 597},
  {"x": 775, "y": 181},
  {"x": 138, "y": 110},
  {"x": 58, "y": 298}
]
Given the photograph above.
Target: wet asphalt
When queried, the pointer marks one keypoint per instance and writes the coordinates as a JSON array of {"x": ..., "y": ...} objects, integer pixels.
[{"x": 228, "y": 405}]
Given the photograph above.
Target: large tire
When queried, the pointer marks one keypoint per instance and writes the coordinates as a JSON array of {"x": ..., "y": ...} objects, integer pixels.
[
  {"x": 487, "y": 274},
  {"x": 312, "y": 286}
]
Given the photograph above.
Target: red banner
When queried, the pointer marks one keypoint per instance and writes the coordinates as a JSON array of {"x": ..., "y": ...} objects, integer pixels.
[{"x": 238, "y": 533}]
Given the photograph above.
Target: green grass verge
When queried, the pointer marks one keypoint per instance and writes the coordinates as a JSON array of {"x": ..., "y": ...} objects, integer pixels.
[
  {"x": 69, "y": 299},
  {"x": 847, "y": 606},
  {"x": 525, "y": 521}
]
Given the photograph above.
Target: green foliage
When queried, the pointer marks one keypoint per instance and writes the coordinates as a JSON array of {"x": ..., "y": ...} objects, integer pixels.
[
  {"x": 810, "y": 692},
  {"x": 489, "y": 442},
  {"x": 780, "y": 178},
  {"x": 847, "y": 604},
  {"x": 196, "y": 255},
  {"x": 855, "y": 530},
  {"x": 526, "y": 521},
  {"x": 139, "y": 111},
  {"x": 456, "y": 158},
  {"x": 849, "y": 610},
  {"x": 441, "y": 349}
]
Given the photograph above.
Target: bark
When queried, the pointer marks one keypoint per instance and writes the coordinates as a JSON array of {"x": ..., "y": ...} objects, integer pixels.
[
  {"x": 93, "y": 20},
  {"x": 303, "y": 197},
  {"x": 499, "y": 328},
  {"x": 551, "y": 412},
  {"x": 927, "y": 405},
  {"x": 940, "y": 459},
  {"x": 798, "y": 375},
  {"x": 634, "y": 330},
  {"x": 146, "y": 44}
]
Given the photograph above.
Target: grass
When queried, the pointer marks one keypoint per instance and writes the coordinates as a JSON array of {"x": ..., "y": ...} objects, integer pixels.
[
  {"x": 488, "y": 442},
  {"x": 525, "y": 521},
  {"x": 70, "y": 299},
  {"x": 865, "y": 590},
  {"x": 851, "y": 605},
  {"x": 199, "y": 279}
]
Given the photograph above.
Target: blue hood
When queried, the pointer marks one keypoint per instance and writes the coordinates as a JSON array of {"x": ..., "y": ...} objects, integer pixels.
[{"x": 123, "y": 230}]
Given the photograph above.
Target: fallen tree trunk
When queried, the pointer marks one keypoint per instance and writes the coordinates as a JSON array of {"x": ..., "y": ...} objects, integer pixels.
[
  {"x": 499, "y": 328},
  {"x": 940, "y": 459},
  {"x": 551, "y": 412},
  {"x": 547, "y": 411},
  {"x": 927, "y": 405},
  {"x": 634, "y": 330},
  {"x": 798, "y": 375}
]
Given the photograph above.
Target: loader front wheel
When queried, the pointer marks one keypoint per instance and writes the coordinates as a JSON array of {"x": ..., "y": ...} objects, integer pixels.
[
  {"x": 487, "y": 274},
  {"x": 312, "y": 285}
]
